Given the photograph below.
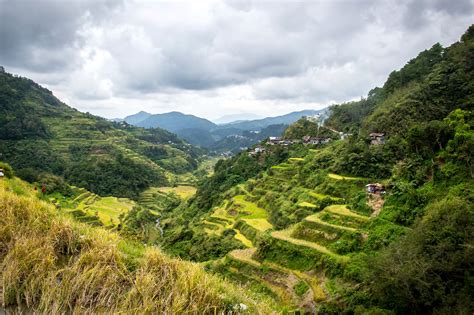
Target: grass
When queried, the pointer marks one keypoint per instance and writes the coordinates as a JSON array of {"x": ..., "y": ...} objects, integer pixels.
[
  {"x": 285, "y": 235},
  {"x": 240, "y": 237},
  {"x": 301, "y": 288},
  {"x": 182, "y": 191},
  {"x": 340, "y": 177},
  {"x": 343, "y": 210},
  {"x": 255, "y": 212},
  {"x": 307, "y": 204},
  {"x": 107, "y": 209},
  {"x": 321, "y": 196},
  {"x": 52, "y": 264},
  {"x": 315, "y": 218},
  {"x": 245, "y": 255},
  {"x": 259, "y": 224},
  {"x": 110, "y": 208},
  {"x": 295, "y": 159}
]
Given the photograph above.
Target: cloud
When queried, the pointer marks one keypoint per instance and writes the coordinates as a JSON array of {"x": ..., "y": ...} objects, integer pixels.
[{"x": 212, "y": 57}]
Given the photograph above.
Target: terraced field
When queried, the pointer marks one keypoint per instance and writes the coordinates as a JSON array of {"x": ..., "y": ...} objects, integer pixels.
[
  {"x": 340, "y": 177},
  {"x": 238, "y": 214},
  {"x": 284, "y": 268},
  {"x": 182, "y": 191},
  {"x": 91, "y": 208}
]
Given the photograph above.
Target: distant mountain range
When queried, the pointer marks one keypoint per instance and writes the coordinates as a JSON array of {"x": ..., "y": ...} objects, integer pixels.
[
  {"x": 236, "y": 117},
  {"x": 218, "y": 137}
]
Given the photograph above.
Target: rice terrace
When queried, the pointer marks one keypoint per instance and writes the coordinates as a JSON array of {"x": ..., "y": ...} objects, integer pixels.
[{"x": 236, "y": 157}]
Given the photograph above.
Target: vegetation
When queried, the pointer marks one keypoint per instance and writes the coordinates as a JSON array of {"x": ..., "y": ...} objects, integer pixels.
[
  {"x": 52, "y": 264},
  {"x": 39, "y": 134},
  {"x": 294, "y": 224},
  {"x": 375, "y": 253}
]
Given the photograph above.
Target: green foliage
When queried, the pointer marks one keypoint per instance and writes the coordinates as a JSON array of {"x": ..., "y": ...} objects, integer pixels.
[
  {"x": 303, "y": 127},
  {"x": 230, "y": 172},
  {"x": 429, "y": 269},
  {"x": 7, "y": 170},
  {"x": 301, "y": 288},
  {"x": 141, "y": 223},
  {"x": 53, "y": 184},
  {"x": 118, "y": 175},
  {"x": 39, "y": 134}
]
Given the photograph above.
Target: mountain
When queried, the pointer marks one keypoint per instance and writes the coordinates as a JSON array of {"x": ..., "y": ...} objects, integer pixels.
[
  {"x": 137, "y": 118},
  {"x": 380, "y": 222},
  {"x": 265, "y": 122},
  {"x": 217, "y": 138},
  {"x": 40, "y": 135},
  {"x": 176, "y": 121},
  {"x": 236, "y": 118}
]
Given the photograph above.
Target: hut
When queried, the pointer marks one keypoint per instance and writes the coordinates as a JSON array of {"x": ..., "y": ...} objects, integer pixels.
[{"x": 375, "y": 188}]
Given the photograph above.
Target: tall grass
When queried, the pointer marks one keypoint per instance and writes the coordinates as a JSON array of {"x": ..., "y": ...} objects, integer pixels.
[{"x": 52, "y": 264}]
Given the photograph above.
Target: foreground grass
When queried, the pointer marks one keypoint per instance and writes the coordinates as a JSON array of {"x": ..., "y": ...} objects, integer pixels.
[{"x": 51, "y": 264}]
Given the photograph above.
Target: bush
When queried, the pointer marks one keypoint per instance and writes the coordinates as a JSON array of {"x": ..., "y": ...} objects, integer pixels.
[{"x": 7, "y": 169}]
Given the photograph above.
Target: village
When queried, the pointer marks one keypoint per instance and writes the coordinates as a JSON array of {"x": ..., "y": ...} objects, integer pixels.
[{"x": 375, "y": 139}]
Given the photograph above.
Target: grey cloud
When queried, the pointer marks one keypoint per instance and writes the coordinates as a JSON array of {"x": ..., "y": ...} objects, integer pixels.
[
  {"x": 42, "y": 35},
  {"x": 417, "y": 11},
  {"x": 309, "y": 51}
]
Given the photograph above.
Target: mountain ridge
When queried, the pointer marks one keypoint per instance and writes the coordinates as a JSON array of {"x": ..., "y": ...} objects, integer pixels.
[{"x": 205, "y": 133}]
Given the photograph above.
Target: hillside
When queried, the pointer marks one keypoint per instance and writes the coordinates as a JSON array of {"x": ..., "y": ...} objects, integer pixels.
[
  {"x": 175, "y": 121},
  {"x": 41, "y": 135},
  {"x": 286, "y": 119},
  {"x": 299, "y": 223},
  {"x": 52, "y": 264}
]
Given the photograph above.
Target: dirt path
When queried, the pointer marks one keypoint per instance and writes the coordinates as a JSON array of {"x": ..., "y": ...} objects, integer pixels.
[{"x": 375, "y": 201}]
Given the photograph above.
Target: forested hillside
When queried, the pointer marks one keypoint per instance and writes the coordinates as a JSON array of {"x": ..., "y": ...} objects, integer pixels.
[
  {"x": 40, "y": 135},
  {"x": 298, "y": 224}
]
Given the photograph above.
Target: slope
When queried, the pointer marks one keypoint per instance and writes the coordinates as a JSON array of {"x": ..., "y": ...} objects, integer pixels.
[
  {"x": 39, "y": 134},
  {"x": 406, "y": 248},
  {"x": 51, "y": 264}
]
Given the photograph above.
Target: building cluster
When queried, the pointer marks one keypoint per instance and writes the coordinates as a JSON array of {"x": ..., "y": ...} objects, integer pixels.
[
  {"x": 304, "y": 140},
  {"x": 316, "y": 140},
  {"x": 280, "y": 141},
  {"x": 286, "y": 142},
  {"x": 257, "y": 150}
]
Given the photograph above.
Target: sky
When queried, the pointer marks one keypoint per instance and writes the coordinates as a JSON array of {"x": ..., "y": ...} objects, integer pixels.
[{"x": 213, "y": 58}]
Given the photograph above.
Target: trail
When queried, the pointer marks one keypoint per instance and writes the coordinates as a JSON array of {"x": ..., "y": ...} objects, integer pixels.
[{"x": 376, "y": 202}]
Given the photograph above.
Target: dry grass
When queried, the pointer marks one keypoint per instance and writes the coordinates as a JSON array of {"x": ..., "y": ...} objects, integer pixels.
[{"x": 51, "y": 264}]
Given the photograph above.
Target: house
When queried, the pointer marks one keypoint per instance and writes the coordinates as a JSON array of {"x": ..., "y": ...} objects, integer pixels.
[
  {"x": 377, "y": 138},
  {"x": 313, "y": 118},
  {"x": 2, "y": 69},
  {"x": 2, "y": 174},
  {"x": 344, "y": 136},
  {"x": 375, "y": 188},
  {"x": 256, "y": 151},
  {"x": 315, "y": 140},
  {"x": 274, "y": 140}
]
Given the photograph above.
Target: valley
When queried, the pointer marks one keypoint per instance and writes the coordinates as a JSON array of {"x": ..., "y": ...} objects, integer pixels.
[{"x": 362, "y": 208}]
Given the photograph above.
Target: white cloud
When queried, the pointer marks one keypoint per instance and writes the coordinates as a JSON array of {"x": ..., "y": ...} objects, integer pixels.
[{"x": 214, "y": 57}]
